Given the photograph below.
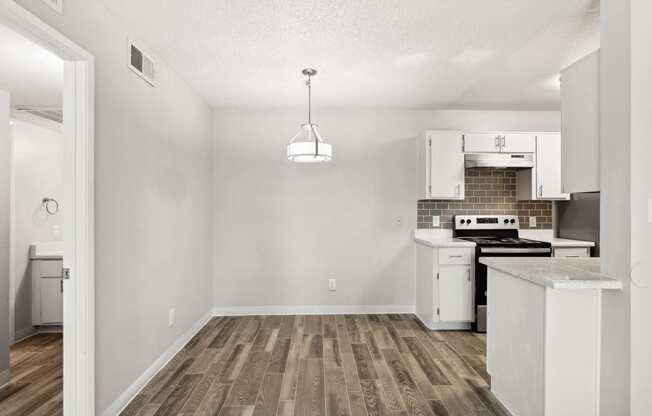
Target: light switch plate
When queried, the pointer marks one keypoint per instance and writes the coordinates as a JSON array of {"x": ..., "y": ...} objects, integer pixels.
[
  {"x": 533, "y": 222},
  {"x": 172, "y": 317},
  {"x": 435, "y": 221}
]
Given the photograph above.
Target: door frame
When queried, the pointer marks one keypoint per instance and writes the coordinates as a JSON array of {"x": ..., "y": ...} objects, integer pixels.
[{"x": 78, "y": 203}]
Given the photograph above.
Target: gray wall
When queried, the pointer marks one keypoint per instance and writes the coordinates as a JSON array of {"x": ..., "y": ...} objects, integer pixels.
[
  {"x": 283, "y": 229},
  {"x": 153, "y": 197},
  {"x": 5, "y": 154}
]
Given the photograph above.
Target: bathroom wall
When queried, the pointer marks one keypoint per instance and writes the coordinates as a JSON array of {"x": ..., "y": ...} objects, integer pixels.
[{"x": 37, "y": 173}]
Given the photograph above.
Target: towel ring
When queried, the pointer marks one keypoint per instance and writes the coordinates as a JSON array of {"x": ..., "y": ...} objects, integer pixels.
[{"x": 51, "y": 206}]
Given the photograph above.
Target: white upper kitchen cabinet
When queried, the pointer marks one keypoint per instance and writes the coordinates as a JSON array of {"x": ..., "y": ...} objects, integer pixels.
[
  {"x": 482, "y": 142},
  {"x": 580, "y": 121},
  {"x": 499, "y": 143},
  {"x": 543, "y": 182},
  {"x": 519, "y": 143},
  {"x": 548, "y": 167},
  {"x": 440, "y": 166}
]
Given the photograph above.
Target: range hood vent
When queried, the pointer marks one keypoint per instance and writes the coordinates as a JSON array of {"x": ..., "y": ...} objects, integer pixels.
[{"x": 499, "y": 160}]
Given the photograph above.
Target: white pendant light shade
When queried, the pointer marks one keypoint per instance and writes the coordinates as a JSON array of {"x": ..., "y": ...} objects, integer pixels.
[{"x": 308, "y": 147}]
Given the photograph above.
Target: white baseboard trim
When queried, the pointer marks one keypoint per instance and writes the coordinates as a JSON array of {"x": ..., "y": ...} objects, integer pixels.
[
  {"x": 5, "y": 377},
  {"x": 132, "y": 391},
  {"x": 446, "y": 326},
  {"x": 311, "y": 310}
]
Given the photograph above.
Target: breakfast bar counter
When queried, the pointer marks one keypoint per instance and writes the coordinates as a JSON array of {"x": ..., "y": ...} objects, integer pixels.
[{"x": 544, "y": 334}]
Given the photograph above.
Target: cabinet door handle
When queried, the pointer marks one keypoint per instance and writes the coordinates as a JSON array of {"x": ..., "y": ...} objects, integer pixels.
[
  {"x": 502, "y": 145},
  {"x": 458, "y": 189},
  {"x": 468, "y": 273},
  {"x": 497, "y": 142},
  {"x": 540, "y": 191},
  {"x": 454, "y": 256}
]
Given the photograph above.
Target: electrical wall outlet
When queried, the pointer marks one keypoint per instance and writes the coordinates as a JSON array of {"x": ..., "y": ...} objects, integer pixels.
[
  {"x": 398, "y": 221},
  {"x": 533, "y": 222},
  {"x": 435, "y": 221},
  {"x": 172, "y": 317},
  {"x": 332, "y": 285}
]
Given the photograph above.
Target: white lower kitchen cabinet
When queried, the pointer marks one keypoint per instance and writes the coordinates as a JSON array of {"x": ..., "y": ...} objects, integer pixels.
[
  {"x": 47, "y": 292},
  {"x": 445, "y": 287}
]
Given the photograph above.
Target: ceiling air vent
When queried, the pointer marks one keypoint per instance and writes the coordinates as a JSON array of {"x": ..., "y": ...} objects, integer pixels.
[
  {"x": 141, "y": 63},
  {"x": 56, "y": 5}
]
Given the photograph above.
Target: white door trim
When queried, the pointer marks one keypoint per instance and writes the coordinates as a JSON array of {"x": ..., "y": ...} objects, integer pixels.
[{"x": 79, "y": 239}]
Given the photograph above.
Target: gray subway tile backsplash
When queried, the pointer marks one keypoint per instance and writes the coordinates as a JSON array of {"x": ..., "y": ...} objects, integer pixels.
[{"x": 488, "y": 191}]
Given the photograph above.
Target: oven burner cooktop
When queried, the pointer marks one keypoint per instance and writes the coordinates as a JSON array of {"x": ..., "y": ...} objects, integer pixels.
[{"x": 503, "y": 241}]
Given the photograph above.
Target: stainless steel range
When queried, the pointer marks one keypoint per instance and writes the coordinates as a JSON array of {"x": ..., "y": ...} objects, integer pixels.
[{"x": 495, "y": 236}]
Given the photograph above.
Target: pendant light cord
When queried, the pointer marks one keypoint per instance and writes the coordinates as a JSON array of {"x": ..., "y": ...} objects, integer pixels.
[{"x": 309, "y": 84}]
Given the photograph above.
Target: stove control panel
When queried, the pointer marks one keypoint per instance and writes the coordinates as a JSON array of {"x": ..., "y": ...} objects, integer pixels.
[{"x": 486, "y": 222}]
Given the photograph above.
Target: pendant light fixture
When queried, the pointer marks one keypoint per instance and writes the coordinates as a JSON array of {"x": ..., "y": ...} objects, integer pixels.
[{"x": 307, "y": 145}]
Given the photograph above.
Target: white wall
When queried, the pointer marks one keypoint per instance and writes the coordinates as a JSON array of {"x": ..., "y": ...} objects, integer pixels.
[
  {"x": 153, "y": 197},
  {"x": 38, "y": 173},
  {"x": 641, "y": 207},
  {"x": 626, "y": 211},
  {"x": 615, "y": 214},
  {"x": 281, "y": 229},
  {"x": 5, "y": 159}
]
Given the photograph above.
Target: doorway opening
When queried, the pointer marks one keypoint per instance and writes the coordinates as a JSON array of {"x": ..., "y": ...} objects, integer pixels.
[{"x": 46, "y": 219}]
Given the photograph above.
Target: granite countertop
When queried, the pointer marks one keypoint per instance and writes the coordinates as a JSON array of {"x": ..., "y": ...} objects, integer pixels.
[
  {"x": 439, "y": 242},
  {"x": 46, "y": 251},
  {"x": 555, "y": 273}
]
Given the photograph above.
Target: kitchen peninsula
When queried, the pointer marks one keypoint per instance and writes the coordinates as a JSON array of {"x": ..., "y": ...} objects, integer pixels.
[{"x": 543, "y": 334}]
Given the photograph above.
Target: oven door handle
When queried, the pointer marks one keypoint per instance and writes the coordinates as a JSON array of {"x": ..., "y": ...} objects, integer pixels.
[{"x": 515, "y": 250}]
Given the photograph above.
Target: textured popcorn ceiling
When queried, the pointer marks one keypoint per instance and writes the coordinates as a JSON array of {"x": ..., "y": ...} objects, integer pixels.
[{"x": 369, "y": 53}]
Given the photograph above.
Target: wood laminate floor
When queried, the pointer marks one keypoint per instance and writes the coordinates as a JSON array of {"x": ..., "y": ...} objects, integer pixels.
[
  {"x": 352, "y": 365},
  {"x": 36, "y": 387}
]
